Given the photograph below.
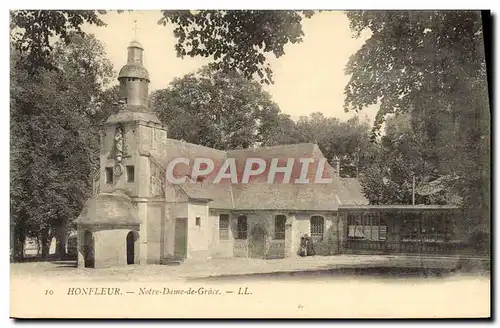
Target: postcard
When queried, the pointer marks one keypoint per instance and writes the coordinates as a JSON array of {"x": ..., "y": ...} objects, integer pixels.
[{"x": 250, "y": 164}]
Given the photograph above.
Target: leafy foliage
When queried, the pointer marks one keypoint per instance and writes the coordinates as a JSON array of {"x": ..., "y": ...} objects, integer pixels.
[
  {"x": 281, "y": 132},
  {"x": 216, "y": 109},
  {"x": 236, "y": 39},
  {"x": 397, "y": 159},
  {"x": 429, "y": 64},
  {"x": 227, "y": 111},
  {"x": 54, "y": 144},
  {"x": 347, "y": 141},
  {"x": 33, "y": 32}
]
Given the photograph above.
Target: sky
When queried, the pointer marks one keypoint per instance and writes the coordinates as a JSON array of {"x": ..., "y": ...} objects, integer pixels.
[{"x": 308, "y": 78}]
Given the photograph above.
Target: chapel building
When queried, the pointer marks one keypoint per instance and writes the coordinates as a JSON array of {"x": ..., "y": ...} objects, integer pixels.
[{"x": 138, "y": 216}]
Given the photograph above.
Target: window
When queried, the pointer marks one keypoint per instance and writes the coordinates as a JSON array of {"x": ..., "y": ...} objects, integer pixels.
[
  {"x": 279, "y": 227},
  {"x": 130, "y": 173},
  {"x": 410, "y": 227},
  {"x": 430, "y": 228},
  {"x": 241, "y": 227},
  {"x": 109, "y": 175},
  {"x": 317, "y": 228},
  {"x": 369, "y": 226},
  {"x": 224, "y": 227},
  {"x": 198, "y": 221},
  {"x": 436, "y": 228}
]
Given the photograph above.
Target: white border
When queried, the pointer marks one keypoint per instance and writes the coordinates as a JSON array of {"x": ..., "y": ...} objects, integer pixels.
[{"x": 188, "y": 4}]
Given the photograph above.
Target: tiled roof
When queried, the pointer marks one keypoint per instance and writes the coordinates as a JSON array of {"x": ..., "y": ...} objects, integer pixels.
[
  {"x": 282, "y": 153},
  {"x": 258, "y": 194},
  {"x": 397, "y": 207},
  {"x": 264, "y": 196},
  {"x": 353, "y": 194},
  {"x": 220, "y": 193}
]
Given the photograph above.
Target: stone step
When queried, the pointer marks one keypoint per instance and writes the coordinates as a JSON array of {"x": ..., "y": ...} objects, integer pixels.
[{"x": 171, "y": 262}]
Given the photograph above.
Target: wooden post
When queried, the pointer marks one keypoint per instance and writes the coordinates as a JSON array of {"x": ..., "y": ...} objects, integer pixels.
[{"x": 413, "y": 191}]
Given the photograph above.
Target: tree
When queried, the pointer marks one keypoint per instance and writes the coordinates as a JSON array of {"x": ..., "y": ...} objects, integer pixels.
[
  {"x": 431, "y": 65},
  {"x": 216, "y": 109},
  {"x": 236, "y": 39},
  {"x": 34, "y": 32},
  {"x": 397, "y": 160},
  {"x": 282, "y": 132},
  {"x": 348, "y": 141},
  {"x": 401, "y": 157},
  {"x": 387, "y": 181},
  {"x": 54, "y": 145},
  {"x": 227, "y": 111}
]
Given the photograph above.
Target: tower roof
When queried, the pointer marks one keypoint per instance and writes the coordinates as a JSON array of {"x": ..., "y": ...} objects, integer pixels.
[
  {"x": 134, "y": 67},
  {"x": 135, "y": 44},
  {"x": 134, "y": 80},
  {"x": 109, "y": 208},
  {"x": 134, "y": 70}
]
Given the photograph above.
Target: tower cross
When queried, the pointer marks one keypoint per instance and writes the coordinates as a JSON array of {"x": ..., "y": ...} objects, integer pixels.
[{"x": 135, "y": 29}]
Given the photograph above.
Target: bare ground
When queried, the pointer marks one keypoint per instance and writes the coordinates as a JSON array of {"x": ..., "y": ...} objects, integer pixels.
[{"x": 360, "y": 266}]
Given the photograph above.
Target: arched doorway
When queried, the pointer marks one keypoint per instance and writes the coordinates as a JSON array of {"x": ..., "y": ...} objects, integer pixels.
[
  {"x": 257, "y": 244},
  {"x": 131, "y": 239},
  {"x": 88, "y": 249}
]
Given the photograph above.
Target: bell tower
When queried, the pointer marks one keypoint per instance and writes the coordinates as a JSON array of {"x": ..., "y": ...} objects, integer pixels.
[
  {"x": 134, "y": 79},
  {"x": 131, "y": 180},
  {"x": 133, "y": 134}
]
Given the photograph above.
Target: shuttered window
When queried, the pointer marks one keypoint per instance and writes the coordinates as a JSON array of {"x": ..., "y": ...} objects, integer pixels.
[
  {"x": 317, "y": 228},
  {"x": 224, "y": 227},
  {"x": 241, "y": 227},
  {"x": 279, "y": 227}
]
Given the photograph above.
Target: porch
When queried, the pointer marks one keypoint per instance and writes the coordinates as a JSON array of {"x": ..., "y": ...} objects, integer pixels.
[{"x": 405, "y": 229}]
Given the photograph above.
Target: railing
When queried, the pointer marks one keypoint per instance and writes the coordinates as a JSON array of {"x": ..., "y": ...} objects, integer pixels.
[
  {"x": 275, "y": 249},
  {"x": 410, "y": 247},
  {"x": 240, "y": 248}
]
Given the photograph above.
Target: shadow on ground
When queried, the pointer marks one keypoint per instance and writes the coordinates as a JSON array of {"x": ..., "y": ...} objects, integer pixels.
[
  {"x": 49, "y": 258},
  {"x": 65, "y": 264},
  {"x": 388, "y": 273}
]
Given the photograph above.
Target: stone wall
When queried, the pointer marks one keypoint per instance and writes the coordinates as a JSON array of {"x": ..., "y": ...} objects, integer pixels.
[
  {"x": 330, "y": 244},
  {"x": 220, "y": 248},
  {"x": 199, "y": 237},
  {"x": 204, "y": 241},
  {"x": 275, "y": 249},
  {"x": 172, "y": 211},
  {"x": 110, "y": 246},
  {"x": 298, "y": 224},
  {"x": 155, "y": 231},
  {"x": 240, "y": 248}
]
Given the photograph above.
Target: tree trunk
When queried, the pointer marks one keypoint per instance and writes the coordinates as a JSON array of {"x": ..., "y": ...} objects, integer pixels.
[
  {"x": 46, "y": 239},
  {"x": 18, "y": 244},
  {"x": 38, "y": 246},
  {"x": 61, "y": 241}
]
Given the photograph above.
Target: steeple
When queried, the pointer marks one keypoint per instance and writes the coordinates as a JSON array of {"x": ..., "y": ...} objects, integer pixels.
[{"x": 134, "y": 80}]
